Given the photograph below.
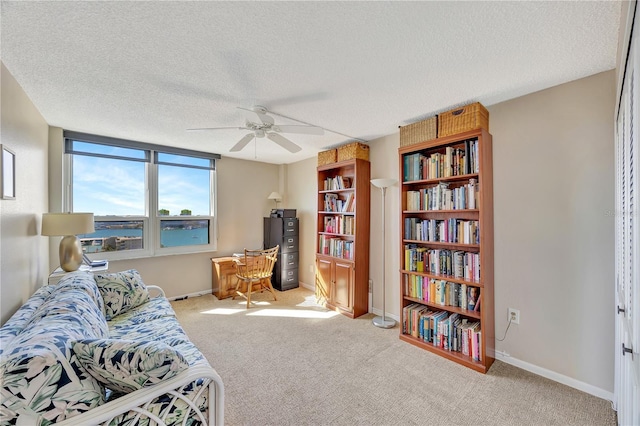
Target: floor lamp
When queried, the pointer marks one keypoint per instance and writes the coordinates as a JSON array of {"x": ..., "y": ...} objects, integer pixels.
[{"x": 383, "y": 321}]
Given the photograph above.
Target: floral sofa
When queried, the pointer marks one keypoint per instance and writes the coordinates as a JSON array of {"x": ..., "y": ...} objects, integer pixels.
[{"x": 99, "y": 350}]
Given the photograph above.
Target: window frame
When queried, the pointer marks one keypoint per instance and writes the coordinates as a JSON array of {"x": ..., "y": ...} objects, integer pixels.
[{"x": 152, "y": 219}]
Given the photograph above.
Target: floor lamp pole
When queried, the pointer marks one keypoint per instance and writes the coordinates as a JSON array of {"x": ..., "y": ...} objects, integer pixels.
[{"x": 382, "y": 321}]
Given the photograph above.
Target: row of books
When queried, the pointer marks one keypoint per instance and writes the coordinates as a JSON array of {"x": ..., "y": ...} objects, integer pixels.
[
  {"x": 452, "y": 162},
  {"x": 441, "y": 197},
  {"x": 336, "y": 247},
  {"x": 445, "y": 231},
  {"x": 340, "y": 225},
  {"x": 442, "y": 292},
  {"x": 449, "y": 332},
  {"x": 337, "y": 182},
  {"x": 455, "y": 263},
  {"x": 333, "y": 203}
]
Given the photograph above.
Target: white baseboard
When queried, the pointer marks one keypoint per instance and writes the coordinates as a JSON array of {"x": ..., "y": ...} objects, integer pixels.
[
  {"x": 184, "y": 296},
  {"x": 377, "y": 311},
  {"x": 556, "y": 377},
  {"x": 307, "y": 286}
]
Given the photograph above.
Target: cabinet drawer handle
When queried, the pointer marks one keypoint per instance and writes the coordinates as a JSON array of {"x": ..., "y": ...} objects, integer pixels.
[{"x": 291, "y": 263}]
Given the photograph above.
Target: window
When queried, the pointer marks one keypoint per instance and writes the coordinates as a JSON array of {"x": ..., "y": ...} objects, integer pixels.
[{"x": 146, "y": 199}]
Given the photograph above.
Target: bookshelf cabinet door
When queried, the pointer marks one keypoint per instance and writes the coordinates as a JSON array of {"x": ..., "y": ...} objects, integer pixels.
[
  {"x": 341, "y": 295},
  {"x": 323, "y": 279}
]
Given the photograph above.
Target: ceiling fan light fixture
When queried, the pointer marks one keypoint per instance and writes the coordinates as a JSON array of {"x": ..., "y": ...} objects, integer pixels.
[{"x": 261, "y": 124}]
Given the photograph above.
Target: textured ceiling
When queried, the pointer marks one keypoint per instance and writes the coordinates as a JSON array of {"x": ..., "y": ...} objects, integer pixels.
[{"x": 147, "y": 71}]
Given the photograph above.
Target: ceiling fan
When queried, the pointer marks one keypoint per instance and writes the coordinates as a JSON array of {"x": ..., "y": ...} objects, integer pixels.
[{"x": 259, "y": 124}]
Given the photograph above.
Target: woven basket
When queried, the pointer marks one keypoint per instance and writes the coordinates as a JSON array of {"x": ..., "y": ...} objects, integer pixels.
[
  {"x": 327, "y": 157},
  {"x": 468, "y": 117},
  {"x": 421, "y": 131},
  {"x": 353, "y": 150}
]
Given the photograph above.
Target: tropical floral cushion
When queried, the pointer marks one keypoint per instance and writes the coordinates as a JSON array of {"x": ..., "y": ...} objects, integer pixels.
[
  {"x": 155, "y": 308},
  {"x": 41, "y": 379},
  {"x": 155, "y": 321},
  {"x": 126, "y": 366},
  {"x": 121, "y": 291},
  {"x": 21, "y": 318}
]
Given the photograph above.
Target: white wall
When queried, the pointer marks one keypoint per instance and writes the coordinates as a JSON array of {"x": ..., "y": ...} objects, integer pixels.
[
  {"x": 383, "y": 154},
  {"x": 553, "y": 157},
  {"x": 301, "y": 195},
  {"x": 23, "y": 252}
]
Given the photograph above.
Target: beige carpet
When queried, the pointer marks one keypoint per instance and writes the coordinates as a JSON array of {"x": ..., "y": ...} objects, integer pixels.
[{"x": 291, "y": 362}]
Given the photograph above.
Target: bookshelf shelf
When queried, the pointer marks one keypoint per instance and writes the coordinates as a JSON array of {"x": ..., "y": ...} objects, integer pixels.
[
  {"x": 336, "y": 190},
  {"x": 475, "y": 211},
  {"x": 453, "y": 246},
  {"x": 342, "y": 260},
  {"x": 442, "y": 277},
  {"x": 465, "y": 312},
  {"x": 344, "y": 213},
  {"x": 464, "y": 192},
  {"x": 442, "y": 179},
  {"x": 336, "y": 234}
]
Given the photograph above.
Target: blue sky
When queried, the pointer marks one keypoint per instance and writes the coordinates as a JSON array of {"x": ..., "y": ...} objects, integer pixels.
[{"x": 106, "y": 186}]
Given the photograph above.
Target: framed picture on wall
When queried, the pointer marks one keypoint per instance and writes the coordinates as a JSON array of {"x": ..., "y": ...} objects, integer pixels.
[{"x": 7, "y": 173}]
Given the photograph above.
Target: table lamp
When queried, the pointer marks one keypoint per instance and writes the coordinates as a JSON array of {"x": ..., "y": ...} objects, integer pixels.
[
  {"x": 68, "y": 225},
  {"x": 275, "y": 196}
]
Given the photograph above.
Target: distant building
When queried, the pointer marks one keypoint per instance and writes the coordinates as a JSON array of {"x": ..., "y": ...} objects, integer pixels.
[{"x": 122, "y": 243}]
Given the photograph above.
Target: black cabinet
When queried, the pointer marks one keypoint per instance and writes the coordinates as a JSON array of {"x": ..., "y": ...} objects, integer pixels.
[{"x": 283, "y": 231}]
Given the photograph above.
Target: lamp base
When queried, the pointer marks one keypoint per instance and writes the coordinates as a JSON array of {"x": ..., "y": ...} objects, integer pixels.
[
  {"x": 384, "y": 322},
  {"x": 70, "y": 253}
]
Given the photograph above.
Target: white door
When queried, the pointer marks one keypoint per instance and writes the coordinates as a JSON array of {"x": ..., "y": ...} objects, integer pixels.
[{"x": 627, "y": 222}]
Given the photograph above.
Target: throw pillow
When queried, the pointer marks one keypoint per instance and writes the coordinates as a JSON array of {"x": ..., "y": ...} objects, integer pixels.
[
  {"x": 121, "y": 291},
  {"x": 126, "y": 366}
]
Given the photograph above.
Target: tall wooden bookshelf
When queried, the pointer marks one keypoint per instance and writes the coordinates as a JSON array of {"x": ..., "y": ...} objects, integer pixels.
[
  {"x": 342, "y": 237},
  {"x": 455, "y": 243}
]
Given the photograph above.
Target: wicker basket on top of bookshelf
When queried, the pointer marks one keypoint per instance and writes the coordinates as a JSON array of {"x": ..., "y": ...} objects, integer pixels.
[
  {"x": 458, "y": 120},
  {"x": 327, "y": 157},
  {"x": 420, "y": 131},
  {"x": 352, "y": 151}
]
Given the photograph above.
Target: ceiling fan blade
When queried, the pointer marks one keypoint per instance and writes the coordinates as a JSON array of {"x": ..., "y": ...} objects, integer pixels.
[
  {"x": 305, "y": 130},
  {"x": 257, "y": 114},
  {"x": 215, "y": 128},
  {"x": 242, "y": 142},
  {"x": 284, "y": 142}
]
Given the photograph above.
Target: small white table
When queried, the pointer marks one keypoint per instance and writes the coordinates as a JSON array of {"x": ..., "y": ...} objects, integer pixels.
[{"x": 57, "y": 275}]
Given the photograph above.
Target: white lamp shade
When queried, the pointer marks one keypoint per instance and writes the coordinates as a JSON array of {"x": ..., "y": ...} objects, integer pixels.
[
  {"x": 275, "y": 196},
  {"x": 59, "y": 224},
  {"x": 383, "y": 183}
]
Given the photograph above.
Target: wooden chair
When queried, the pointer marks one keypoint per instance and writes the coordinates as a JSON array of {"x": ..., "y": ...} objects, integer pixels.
[{"x": 256, "y": 268}]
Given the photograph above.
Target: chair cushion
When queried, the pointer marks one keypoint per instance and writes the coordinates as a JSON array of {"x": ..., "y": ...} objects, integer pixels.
[
  {"x": 121, "y": 291},
  {"x": 125, "y": 365}
]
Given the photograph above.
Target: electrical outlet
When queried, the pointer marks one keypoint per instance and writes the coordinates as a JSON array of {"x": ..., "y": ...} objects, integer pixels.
[
  {"x": 370, "y": 286},
  {"x": 514, "y": 316}
]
